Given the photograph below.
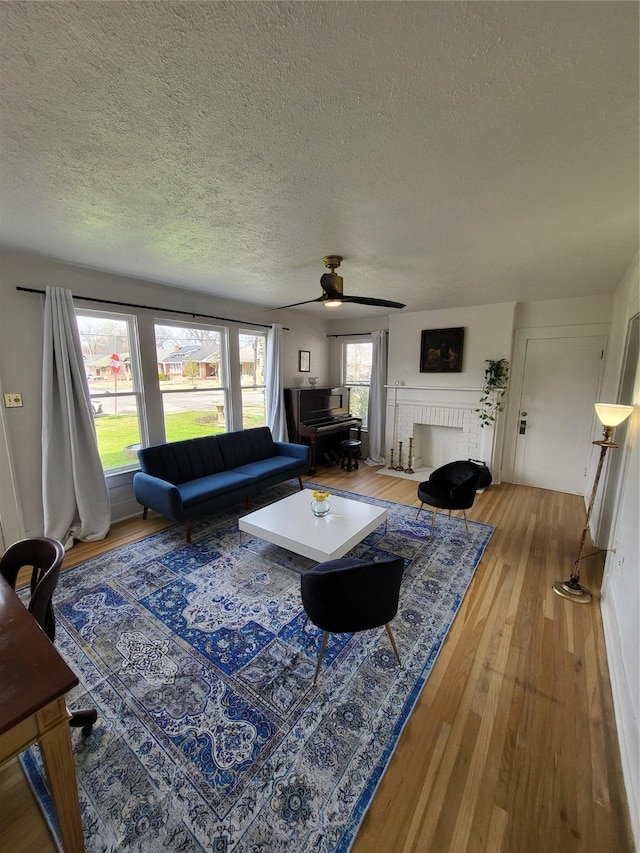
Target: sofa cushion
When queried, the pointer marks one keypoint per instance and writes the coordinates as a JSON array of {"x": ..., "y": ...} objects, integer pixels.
[
  {"x": 214, "y": 485},
  {"x": 266, "y": 468},
  {"x": 182, "y": 461},
  {"x": 245, "y": 446}
]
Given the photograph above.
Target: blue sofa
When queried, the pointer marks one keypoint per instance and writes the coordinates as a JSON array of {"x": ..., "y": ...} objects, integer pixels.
[{"x": 188, "y": 479}]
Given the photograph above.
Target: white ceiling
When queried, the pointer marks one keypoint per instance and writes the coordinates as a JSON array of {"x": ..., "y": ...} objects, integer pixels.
[{"x": 455, "y": 153}]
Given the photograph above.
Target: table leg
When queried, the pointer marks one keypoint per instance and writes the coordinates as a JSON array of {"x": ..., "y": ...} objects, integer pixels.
[{"x": 57, "y": 757}]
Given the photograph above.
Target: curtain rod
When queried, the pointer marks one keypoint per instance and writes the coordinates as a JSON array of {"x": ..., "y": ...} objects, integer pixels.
[
  {"x": 151, "y": 308},
  {"x": 355, "y": 335}
]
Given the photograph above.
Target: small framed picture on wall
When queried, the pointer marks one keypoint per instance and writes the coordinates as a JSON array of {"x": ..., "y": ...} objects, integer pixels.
[{"x": 304, "y": 360}]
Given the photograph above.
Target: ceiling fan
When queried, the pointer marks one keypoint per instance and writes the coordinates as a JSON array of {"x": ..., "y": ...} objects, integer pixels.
[{"x": 333, "y": 295}]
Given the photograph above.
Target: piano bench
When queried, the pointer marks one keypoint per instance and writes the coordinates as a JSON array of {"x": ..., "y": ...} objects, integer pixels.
[{"x": 350, "y": 452}]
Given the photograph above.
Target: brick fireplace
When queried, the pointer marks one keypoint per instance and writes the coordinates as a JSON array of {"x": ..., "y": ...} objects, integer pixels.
[{"x": 442, "y": 422}]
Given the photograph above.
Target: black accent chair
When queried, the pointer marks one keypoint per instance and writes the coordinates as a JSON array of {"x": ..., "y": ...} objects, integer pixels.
[
  {"x": 349, "y": 595},
  {"x": 453, "y": 486},
  {"x": 45, "y": 556}
]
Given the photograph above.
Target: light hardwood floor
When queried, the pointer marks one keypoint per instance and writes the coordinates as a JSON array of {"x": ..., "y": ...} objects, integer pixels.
[{"x": 512, "y": 745}]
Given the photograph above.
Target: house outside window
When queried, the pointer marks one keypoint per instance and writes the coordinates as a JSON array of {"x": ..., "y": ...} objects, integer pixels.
[
  {"x": 253, "y": 348},
  {"x": 356, "y": 374},
  {"x": 192, "y": 373},
  {"x": 110, "y": 351}
]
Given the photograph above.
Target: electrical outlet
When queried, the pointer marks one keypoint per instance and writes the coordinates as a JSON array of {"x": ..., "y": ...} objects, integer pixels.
[{"x": 12, "y": 401}]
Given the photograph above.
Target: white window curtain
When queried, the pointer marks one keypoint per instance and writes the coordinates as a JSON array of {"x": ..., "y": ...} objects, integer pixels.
[
  {"x": 75, "y": 497},
  {"x": 274, "y": 397},
  {"x": 377, "y": 398}
]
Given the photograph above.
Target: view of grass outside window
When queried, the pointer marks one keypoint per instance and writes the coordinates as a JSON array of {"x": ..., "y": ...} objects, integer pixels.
[
  {"x": 191, "y": 363},
  {"x": 109, "y": 349},
  {"x": 356, "y": 368},
  {"x": 192, "y": 373},
  {"x": 252, "y": 376}
]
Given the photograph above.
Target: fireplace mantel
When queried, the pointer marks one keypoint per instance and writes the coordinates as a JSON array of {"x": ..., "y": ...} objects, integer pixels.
[{"x": 431, "y": 388}]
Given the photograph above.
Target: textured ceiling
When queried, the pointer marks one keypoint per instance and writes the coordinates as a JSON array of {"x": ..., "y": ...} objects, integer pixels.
[{"x": 454, "y": 153}]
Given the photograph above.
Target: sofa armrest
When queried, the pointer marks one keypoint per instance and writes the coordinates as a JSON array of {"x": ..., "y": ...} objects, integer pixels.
[
  {"x": 299, "y": 451},
  {"x": 158, "y": 494}
]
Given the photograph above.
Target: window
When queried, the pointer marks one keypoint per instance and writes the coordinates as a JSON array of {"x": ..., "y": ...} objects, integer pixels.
[
  {"x": 356, "y": 374},
  {"x": 252, "y": 377},
  {"x": 192, "y": 372},
  {"x": 110, "y": 352}
]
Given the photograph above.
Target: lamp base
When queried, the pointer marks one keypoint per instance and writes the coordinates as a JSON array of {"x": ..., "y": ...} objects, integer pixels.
[{"x": 572, "y": 591}]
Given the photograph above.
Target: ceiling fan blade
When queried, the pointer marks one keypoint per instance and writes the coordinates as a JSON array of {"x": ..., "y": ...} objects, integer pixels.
[
  {"x": 294, "y": 304},
  {"x": 368, "y": 300},
  {"x": 332, "y": 284}
]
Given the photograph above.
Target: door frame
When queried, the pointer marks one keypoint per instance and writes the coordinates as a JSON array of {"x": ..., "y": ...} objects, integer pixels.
[{"x": 512, "y": 412}]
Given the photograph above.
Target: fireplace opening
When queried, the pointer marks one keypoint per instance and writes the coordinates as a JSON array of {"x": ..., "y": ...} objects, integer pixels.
[{"x": 436, "y": 445}]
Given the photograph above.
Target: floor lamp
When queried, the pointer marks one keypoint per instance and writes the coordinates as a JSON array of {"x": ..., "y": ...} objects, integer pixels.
[{"x": 611, "y": 415}]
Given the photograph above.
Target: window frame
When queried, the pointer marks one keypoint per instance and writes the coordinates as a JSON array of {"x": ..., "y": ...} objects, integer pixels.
[
  {"x": 135, "y": 367},
  {"x": 344, "y": 344},
  {"x": 260, "y": 333},
  {"x": 225, "y": 375}
]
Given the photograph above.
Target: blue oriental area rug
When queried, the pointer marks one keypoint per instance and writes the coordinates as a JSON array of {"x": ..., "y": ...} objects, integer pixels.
[{"x": 210, "y": 735}]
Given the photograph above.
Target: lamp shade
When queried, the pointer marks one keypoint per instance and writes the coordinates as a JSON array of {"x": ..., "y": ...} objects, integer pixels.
[{"x": 612, "y": 414}]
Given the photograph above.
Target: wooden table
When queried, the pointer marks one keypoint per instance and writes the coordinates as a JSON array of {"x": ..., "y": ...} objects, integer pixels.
[{"x": 33, "y": 682}]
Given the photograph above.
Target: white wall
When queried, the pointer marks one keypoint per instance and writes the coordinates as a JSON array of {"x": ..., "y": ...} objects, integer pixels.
[
  {"x": 621, "y": 584},
  {"x": 488, "y": 333},
  {"x": 581, "y": 311},
  {"x": 21, "y": 323}
]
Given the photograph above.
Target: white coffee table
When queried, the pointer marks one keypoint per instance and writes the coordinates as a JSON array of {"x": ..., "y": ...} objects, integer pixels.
[{"x": 291, "y": 524}]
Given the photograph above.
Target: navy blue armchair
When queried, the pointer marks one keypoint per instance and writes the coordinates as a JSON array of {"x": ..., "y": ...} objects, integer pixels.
[
  {"x": 349, "y": 595},
  {"x": 453, "y": 486}
]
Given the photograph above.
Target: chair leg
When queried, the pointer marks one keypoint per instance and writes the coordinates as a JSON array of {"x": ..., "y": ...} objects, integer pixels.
[
  {"x": 418, "y": 513},
  {"x": 300, "y": 482},
  {"x": 433, "y": 523},
  {"x": 84, "y": 719},
  {"x": 393, "y": 643},
  {"x": 187, "y": 530},
  {"x": 145, "y": 510},
  {"x": 464, "y": 512},
  {"x": 320, "y": 656}
]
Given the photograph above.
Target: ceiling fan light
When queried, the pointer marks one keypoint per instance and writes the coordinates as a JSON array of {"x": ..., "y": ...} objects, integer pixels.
[{"x": 332, "y": 303}]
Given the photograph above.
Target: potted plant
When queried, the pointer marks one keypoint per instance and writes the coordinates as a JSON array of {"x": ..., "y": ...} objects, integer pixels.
[{"x": 494, "y": 390}]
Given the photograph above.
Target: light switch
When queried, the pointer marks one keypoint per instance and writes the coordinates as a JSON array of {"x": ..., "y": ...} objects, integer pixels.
[{"x": 12, "y": 401}]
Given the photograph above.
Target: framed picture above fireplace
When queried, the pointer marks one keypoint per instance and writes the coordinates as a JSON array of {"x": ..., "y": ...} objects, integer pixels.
[{"x": 441, "y": 350}]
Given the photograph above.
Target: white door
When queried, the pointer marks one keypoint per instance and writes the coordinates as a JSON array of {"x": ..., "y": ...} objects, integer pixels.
[{"x": 555, "y": 418}]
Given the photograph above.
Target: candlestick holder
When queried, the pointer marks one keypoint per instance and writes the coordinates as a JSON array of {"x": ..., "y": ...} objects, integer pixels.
[
  {"x": 399, "y": 466},
  {"x": 391, "y": 468},
  {"x": 409, "y": 469}
]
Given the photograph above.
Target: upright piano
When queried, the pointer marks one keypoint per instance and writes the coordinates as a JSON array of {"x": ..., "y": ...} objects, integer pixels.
[{"x": 319, "y": 417}]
